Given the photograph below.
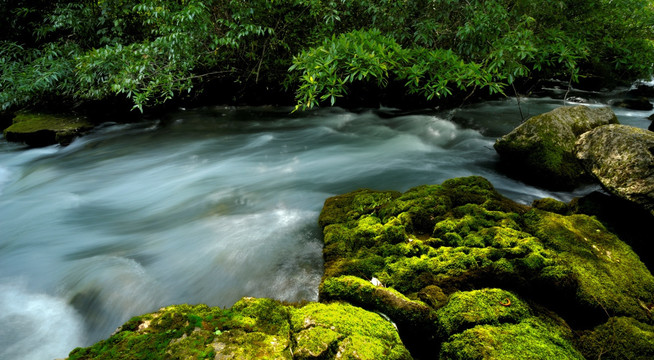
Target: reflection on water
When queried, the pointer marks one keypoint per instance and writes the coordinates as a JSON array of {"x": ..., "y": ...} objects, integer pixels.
[{"x": 208, "y": 206}]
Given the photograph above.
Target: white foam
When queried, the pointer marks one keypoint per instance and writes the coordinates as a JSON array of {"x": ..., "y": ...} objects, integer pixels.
[{"x": 30, "y": 318}]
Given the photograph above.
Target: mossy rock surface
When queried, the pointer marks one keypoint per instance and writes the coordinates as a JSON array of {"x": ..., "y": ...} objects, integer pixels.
[
  {"x": 609, "y": 275},
  {"x": 252, "y": 329},
  {"x": 467, "y": 309},
  {"x": 619, "y": 338},
  {"x": 542, "y": 149},
  {"x": 532, "y": 338},
  {"x": 435, "y": 251},
  {"x": 46, "y": 129}
]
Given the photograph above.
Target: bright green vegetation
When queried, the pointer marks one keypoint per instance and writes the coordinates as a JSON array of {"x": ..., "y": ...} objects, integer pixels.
[
  {"x": 619, "y": 338},
  {"x": 609, "y": 274},
  {"x": 410, "y": 315},
  {"x": 438, "y": 248},
  {"x": 481, "y": 307},
  {"x": 529, "y": 339},
  {"x": 143, "y": 53},
  {"x": 252, "y": 329},
  {"x": 495, "y": 324}
]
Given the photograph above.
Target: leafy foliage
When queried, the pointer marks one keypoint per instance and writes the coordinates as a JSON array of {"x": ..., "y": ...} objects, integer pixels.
[{"x": 152, "y": 51}]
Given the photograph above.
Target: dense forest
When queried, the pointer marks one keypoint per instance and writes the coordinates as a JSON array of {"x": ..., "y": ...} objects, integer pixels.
[{"x": 142, "y": 54}]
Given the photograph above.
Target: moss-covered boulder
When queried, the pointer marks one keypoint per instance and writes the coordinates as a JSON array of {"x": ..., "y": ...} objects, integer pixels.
[
  {"x": 252, "y": 329},
  {"x": 619, "y": 338},
  {"x": 343, "y": 331},
  {"x": 532, "y": 338},
  {"x": 496, "y": 324},
  {"x": 621, "y": 158},
  {"x": 542, "y": 149},
  {"x": 608, "y": 275},
  {"x": 418, "y": 256},
  {"x": 46, "y": 129}
]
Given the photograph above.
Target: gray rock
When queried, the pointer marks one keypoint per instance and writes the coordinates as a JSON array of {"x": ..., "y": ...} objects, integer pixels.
[
  {"x": 621, "y": 158},
  {"x": 542, "y": 149}
]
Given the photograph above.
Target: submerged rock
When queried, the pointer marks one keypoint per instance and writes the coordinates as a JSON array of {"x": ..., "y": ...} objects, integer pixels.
[
  {"x": 621, "y": 158},
  {"x": 641, "y": 103},
  {"x": 435, "y": 246},
  {"x": 46, "y": 129},
  {"x": 542, "y": 149},
  {"x": 252, "y": 329}
]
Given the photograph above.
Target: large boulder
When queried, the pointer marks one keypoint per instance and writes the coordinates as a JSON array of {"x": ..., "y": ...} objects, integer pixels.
[
  {"x": 252, "y": 329},
  {"x": 46, "y": 129},
  {"x": 456, "y": 265},
  {"x": 542, "y": 149},
  {"x": 621, "y": 158}
]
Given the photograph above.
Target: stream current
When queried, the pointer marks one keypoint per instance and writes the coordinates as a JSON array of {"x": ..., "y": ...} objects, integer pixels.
[{"x": 212, "y": 204}]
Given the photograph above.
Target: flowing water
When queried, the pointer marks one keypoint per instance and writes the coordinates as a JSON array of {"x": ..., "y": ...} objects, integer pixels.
[{"x": 210, "y": 205}]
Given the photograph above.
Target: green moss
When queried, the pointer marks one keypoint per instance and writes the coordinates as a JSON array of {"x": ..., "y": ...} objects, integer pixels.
[
  {"x": 44, "y": 129},
  {"x": 551, "y": 205},
  {"x": 363, "y": 335},
  {"x": 317, "y": 343},
  {"x": 529, "y": 339},
  {"x": 481, "y": 307},
  {"x": 459, "y": 236},
  {"x": 252, "y": 329},
  {"x": 269, "y": 315},
  {"x": 619, "y": 338},
  {"x": 155, "y": 335},
  {"x": 407, "y": 313},
  {"x": 609, "y": 275},
  {"x": 347, "y": 207},
  {"x": 239, "y": 344}
]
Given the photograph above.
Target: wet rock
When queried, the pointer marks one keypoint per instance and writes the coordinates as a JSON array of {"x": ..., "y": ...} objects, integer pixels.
[
  {"x": 642, "y": 90},
  {"x": 252, "y": 329},
  {"x": 541, "y": 150},
  {"x": 577, "y": 99},
  {"x": 641, "y": 103},
  {"x": 451, "y": 240},
  {"x": 46, "y": 129},
  {"x": 551, "y": 205},
  {"x": 621, "y": 158}
]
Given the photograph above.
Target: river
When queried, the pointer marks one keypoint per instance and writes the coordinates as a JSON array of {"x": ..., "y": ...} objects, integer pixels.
[{"x": 210, "y": 205}]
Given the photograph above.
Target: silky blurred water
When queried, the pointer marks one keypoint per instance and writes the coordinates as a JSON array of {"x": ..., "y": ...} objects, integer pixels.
[{"x": 210, "y": 205}]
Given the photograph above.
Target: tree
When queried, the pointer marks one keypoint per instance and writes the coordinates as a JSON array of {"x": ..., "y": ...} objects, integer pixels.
[{"x": 149, "y": 52}]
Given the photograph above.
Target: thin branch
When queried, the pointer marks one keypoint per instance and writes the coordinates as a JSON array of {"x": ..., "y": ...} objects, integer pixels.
[
  {"x": 517, "y": 97},
  {"x": 565, "y": 97}
]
